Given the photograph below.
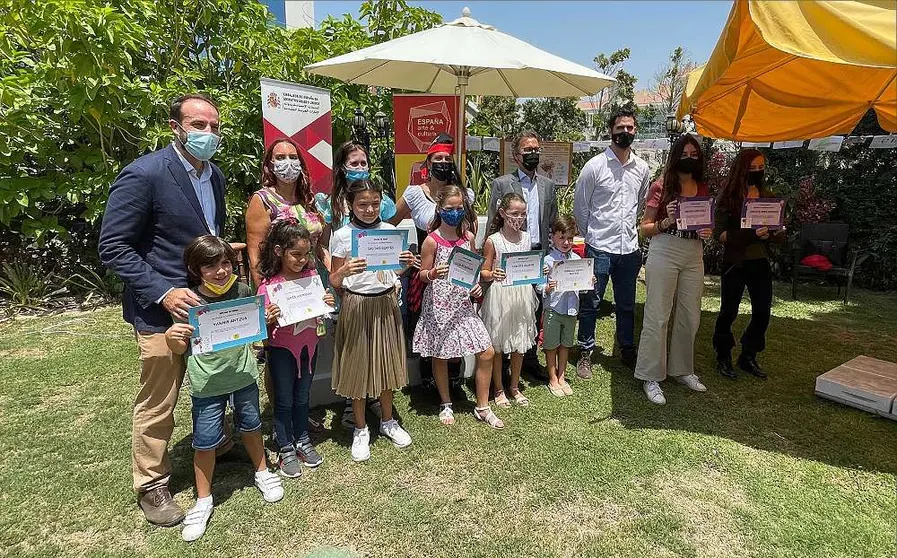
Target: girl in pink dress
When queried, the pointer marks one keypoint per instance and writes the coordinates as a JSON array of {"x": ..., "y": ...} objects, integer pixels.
[{"x": 449, "y": 327}]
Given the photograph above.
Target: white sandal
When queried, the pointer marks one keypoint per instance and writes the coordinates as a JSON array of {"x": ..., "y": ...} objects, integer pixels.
[
  {"x": 490, "y": 417},
  {"x": 447, "y": 415}
]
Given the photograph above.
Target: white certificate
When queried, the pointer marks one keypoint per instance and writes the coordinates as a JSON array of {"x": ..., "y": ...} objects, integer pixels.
[
  {"x": 464, "y": 267},
  {"x": 380, "y": 247},
  {"x": 762, "y": 212},
  {"x": 573, "y": 275},
  {"x": 226, "y": 324},
  {"x": 522, "y": 268},
  {"x": 299, "y": 300}
]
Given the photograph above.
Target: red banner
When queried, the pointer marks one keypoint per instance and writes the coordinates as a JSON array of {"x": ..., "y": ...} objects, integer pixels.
[{"x": 418, "y": 119}]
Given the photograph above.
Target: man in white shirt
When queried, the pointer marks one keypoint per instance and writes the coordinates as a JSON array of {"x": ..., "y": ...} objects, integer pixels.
[{"x": 609, "y": 191}]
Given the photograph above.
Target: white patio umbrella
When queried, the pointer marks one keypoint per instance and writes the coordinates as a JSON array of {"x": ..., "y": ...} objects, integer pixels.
[{"x": 467, "y": 57}]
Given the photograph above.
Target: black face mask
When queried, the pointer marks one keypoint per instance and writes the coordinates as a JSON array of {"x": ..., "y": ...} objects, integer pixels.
[
  {"x": 688, "y": 165},
  {"x": 622, "y": 139},
  {"x": 530, "y": 161},
  {"x": 755, "y": 178},
  {"x": 442, "y": 171},
  {"x": 362, "y": 225}
]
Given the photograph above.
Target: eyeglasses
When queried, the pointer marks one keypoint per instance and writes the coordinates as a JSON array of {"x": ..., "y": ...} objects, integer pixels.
[{"x": 529, "y": 150}]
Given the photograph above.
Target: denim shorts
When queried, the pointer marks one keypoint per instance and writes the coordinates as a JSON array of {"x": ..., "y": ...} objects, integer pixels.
[{"x": 208, "y": 415}]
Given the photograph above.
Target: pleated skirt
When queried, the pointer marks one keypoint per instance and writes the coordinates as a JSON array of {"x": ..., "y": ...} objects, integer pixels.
[{"x": 369, "y": 349}]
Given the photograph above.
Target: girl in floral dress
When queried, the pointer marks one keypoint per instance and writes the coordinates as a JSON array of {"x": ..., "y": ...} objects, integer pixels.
[{"x": 449, "y": 327}]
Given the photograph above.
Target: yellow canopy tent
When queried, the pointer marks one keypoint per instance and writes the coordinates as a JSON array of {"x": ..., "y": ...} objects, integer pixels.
[{"x": 791, "y": 70}]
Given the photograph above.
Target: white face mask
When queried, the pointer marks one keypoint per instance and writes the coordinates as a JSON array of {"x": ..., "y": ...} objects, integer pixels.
[{"x": 287, "y": 169}]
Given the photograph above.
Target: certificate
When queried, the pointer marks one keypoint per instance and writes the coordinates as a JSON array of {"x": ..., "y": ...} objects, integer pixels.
[
  {"x": 380, "y": 247},
  {"x": 694, "y": 213},
  {"x": 757, "y": 213},
  {"x": 523, "y": 268},
  {"x": 226, "y": 324},
  {"x": 464, "y": 267},
  {"x": 572, "y": 275},
  {"x": 299, "y": 300}
]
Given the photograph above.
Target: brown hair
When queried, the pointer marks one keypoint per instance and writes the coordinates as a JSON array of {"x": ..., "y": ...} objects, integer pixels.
[
  {"x": 671, "y": 187},
  {"x": 735, "y": 189},
  {"x": 497, "y": 220},
  {"x": 565, "y": 224},
  {"x": 340, "y": 185},
  {"x": 303, "y": 185},
  {"x": 174, "y": 110},
  {"x": 450, "y": 191},
  {"x": 206, "y": 250}
]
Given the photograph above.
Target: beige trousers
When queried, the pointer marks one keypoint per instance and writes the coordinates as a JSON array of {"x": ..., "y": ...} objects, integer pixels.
[
  {"x": 674, "y": 275},
  {"x": 161, "y": 376}
]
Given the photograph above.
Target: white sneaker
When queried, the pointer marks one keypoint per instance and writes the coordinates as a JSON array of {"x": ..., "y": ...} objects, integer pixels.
[
  {"x": 361, "y": 444},
  {"x": 654, "y": 393},
  {"x": 269, "y": 485},
  {"x": 692, "y": 382},
  {"x": 196, "y": 521},
  {"x": 396, "y": 433}
]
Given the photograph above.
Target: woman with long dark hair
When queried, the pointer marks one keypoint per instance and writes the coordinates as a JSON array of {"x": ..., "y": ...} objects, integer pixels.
[
  {"x": 746, "y": 265},
  {"x": 674, "y": 273},
  {"x": 285, "y": 190}
]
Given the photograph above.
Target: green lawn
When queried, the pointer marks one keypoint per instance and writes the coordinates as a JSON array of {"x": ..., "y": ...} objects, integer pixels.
[{"x": 751, "y": 468}]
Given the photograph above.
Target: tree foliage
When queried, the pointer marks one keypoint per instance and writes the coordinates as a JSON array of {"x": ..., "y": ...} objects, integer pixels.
[
  {"x": 670, "y": 79},
  {"x": 86, "y": 83},
  {"x": 620, "y": 94}
]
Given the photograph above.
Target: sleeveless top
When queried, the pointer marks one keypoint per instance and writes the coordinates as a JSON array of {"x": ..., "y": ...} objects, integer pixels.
[{"x": 279, "y": 207}]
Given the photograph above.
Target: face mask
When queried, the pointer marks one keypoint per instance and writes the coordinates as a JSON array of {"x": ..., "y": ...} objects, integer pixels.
[
  {"x": 452, "y": 217},
  {"x": 442, "y": 171},
  {"x": 755, "y": 178},
  {"x": 688, "y": 165},
  {"x": 220, "y": 289},
  {"x": 623, "y": 139},
  {"x": 530, "y": 161},
  {"x": 516, "y": 223},
  {"x": 287, "y": 170},
  {"x": 201, "y": 145},
  {"x": 355, "y": 174}
]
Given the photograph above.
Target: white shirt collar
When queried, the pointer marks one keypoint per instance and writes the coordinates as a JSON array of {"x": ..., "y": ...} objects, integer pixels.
[{"x": 611, "y": 154}]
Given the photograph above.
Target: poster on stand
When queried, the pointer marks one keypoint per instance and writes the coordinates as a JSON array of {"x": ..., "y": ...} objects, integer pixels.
[{"x": 417, "y": 120}]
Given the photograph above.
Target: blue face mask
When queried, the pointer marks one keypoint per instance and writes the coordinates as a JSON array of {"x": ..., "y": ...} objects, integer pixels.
[
  {"x": 201, "y": 145},
  {"x": 452, "y": 217},
  {"x": 354, "y": 174}
]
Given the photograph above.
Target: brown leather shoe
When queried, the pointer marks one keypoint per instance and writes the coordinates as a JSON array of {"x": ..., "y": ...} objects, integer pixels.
[
  {"x": 159, "y": 508},
  {"x": 584, "y": 366}
]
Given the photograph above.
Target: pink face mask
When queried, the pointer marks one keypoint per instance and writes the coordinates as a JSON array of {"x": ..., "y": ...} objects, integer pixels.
[{"x": 515, "y": 223}]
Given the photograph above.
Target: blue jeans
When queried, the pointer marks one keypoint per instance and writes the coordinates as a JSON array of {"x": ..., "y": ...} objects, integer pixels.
[
  {"x": 291, "y": 394},
  {"x": 622, "y": 269},
  {"x": 208, "y": 416}
]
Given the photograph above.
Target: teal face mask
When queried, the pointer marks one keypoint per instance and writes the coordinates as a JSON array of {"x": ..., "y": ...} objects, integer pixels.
[
  {"x": 353, "y": 174},
  {"x": 201, "y": 145}
]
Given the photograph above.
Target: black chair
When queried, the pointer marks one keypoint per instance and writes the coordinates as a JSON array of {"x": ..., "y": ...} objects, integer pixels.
[{"x": 829, "y": 240}]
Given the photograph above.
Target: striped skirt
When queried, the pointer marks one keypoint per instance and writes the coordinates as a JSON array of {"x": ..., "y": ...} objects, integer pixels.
[{"x": 369, "y": 349}]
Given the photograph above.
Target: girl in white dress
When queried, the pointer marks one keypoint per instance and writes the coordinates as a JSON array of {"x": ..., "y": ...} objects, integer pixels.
[{"x": 509, "y": 311}]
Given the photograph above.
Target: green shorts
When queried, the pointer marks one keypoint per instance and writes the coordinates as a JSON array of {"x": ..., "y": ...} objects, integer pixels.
[{"x": 559, "y": 329}]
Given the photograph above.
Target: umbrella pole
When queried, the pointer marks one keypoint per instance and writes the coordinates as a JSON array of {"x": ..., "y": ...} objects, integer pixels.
[{"x": 461, "y": 133}]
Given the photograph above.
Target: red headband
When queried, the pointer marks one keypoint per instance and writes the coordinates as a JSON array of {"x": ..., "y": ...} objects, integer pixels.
[{"x": 441, "y": 148}]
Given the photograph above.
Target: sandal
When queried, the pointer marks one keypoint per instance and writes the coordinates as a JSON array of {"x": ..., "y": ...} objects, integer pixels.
[
  {"x": 489, "y": 418},
  {"x": 557, "y": 391},
  {"x": 446, "y": 415},
  {"x": 521, "y": 399},
  {"x": 502, "y": 400},
  {"x": 567, "y": 388}
]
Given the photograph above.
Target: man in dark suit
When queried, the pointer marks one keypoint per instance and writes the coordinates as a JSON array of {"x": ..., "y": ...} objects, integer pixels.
[
  {"x": 541, "y": 209},
  {"x": 158, "y": 205}
]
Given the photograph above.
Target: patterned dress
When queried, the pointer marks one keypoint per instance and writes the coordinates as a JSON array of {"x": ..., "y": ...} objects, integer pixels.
[
  {"x": 278, "y": 207},
  {"x": 449, "y": 327}
]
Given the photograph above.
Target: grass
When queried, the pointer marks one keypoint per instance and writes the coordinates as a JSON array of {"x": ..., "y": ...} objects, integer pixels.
[{"x": 751, "y": 468}]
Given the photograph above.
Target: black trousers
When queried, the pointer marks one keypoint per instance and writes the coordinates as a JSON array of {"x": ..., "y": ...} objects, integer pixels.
[{"x": 756, "y": 275}]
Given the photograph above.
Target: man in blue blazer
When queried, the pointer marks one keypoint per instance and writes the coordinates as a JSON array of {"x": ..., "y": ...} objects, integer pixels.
[{"x": 158, "y": 205}]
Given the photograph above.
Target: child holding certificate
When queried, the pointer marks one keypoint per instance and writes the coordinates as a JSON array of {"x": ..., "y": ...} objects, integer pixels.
[
  {"x": 369, "y": 349},
  {"x": 509, "y": 311},
  {"x": 561, "y": 309},
  {"x": 449, "y": 327},
  {"x": 286, "y": 255},
  {"x": 216, "y": 377}
]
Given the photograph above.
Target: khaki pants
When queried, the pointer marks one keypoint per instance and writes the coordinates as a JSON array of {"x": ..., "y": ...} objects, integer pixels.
[
  {"x": 674, "y": 274},
  {"x": 161, "y": 376}
]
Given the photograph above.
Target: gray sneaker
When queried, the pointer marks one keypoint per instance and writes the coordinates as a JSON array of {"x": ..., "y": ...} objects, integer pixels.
[
  {"x": 584, "y": 365},
  {"x": 289, "y": 466},
  {"x": 307, "y": 453}
]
